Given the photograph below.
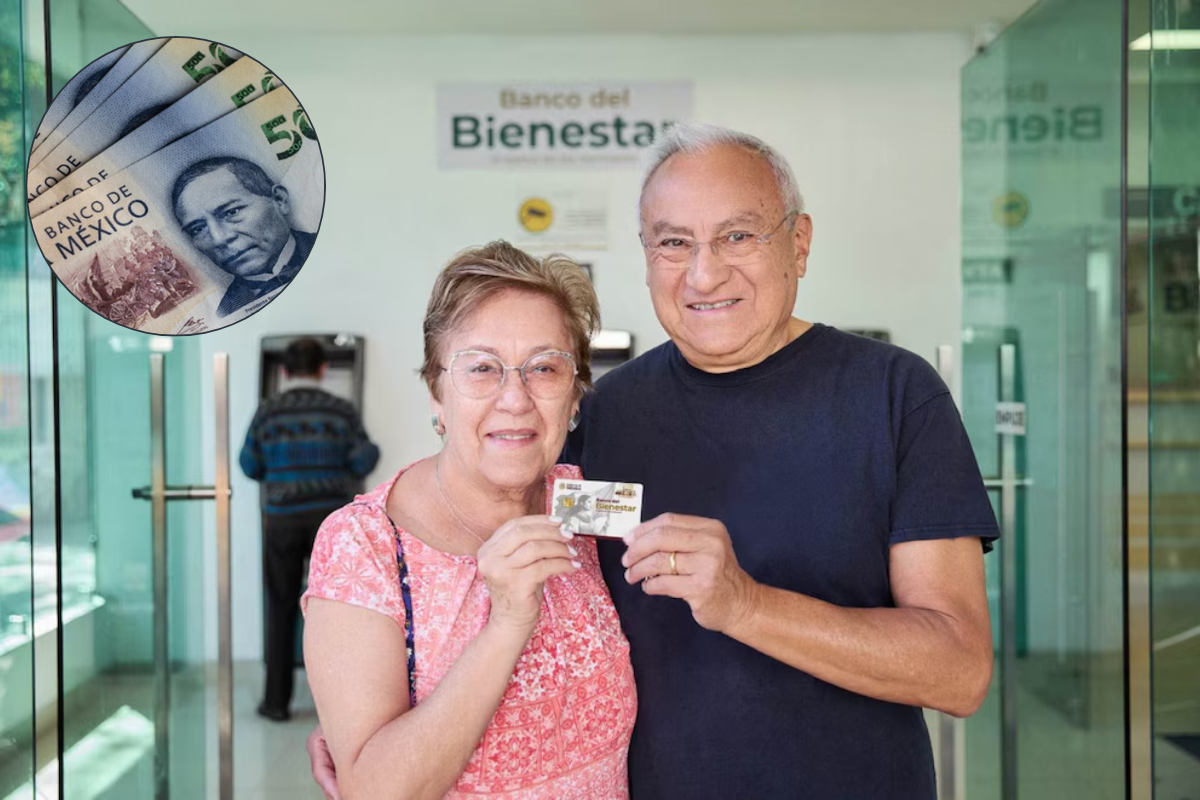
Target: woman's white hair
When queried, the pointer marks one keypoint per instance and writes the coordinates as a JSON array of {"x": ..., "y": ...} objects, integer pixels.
[{"x": 695, "y": 137}]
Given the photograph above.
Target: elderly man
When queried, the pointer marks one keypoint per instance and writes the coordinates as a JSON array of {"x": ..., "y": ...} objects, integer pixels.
[
  {"x": 237, "y": 217},
  {"x": 811, "y": 498}
]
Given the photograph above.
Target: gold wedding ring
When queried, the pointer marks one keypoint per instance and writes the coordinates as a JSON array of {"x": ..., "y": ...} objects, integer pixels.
[{"x": 674, "y": 569}]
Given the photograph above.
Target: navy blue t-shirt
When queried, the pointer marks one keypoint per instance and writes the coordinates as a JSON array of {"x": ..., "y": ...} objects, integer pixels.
[{"x": 816, "y": 460}]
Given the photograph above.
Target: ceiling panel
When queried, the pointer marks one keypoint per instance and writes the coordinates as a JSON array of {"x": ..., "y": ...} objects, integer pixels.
[{"x": 567, "y": 17}]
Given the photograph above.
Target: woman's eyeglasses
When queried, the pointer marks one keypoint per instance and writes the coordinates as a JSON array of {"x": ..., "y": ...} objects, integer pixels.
[{"x": 477, "y": 375}]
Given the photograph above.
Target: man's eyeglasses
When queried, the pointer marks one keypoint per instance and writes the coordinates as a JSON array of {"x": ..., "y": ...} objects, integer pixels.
[
  {"x": 733, "y": 249},
  {"x": 477, "y": 375}
]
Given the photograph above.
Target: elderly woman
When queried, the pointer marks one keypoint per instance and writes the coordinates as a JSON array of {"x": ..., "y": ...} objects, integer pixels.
[{"x": 459, "y": 641}]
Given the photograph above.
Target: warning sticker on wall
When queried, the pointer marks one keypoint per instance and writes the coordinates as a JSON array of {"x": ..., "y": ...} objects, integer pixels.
[{"x": 536, "y": 215}]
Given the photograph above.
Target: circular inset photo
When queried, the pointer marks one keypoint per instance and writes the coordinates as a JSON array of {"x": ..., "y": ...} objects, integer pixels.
[{"x": 176, "y": 186}]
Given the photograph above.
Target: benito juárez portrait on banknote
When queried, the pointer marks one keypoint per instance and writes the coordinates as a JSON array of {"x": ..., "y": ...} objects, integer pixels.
[{"x": 237, "y": 217}]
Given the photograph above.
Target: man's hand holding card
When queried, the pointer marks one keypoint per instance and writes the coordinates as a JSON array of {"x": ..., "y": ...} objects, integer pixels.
[{"x": 692, "y": 558}]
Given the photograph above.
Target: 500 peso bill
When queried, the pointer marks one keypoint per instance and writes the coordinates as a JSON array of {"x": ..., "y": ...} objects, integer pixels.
[
  {"x": 73, "y": 93},
  {"x": 200, "y": 234},
  {"x": 88, "y": 98},
  {"x": 176, "y": 69},
  {"x": 239, "y": 84}
]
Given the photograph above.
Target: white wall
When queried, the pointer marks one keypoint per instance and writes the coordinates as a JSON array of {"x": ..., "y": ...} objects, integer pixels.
[{"x": 869, "y": 123}]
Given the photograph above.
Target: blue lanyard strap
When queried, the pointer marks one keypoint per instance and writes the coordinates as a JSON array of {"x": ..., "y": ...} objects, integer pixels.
[{"x": 406, "y": 596}]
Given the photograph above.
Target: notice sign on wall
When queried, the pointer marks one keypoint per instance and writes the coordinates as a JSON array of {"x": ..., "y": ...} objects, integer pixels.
[
  {"x": 553, "y": 219},
  {"x": 554, "y": 125},
  {"x": 1010, "y": 418}
]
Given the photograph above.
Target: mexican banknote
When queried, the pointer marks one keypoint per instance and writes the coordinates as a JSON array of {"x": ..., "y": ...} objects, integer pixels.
[
  {"x": 233, "y": 87},
  {"x": 171, "y": 73},
  {"x": 73, "y": 93},
  {"x": 83, "y": 104},
  {"x": 201, "y": 233}
]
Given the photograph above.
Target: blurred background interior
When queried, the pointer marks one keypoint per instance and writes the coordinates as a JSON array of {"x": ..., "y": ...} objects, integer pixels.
[{"x": 1008, "y": 188}]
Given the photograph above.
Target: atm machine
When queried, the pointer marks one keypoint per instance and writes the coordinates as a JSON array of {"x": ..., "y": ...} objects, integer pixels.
[
  {"x": 610, "y": 349},
  {"x": 871, "y": 333},
  {"x": 343, "y": 377}
]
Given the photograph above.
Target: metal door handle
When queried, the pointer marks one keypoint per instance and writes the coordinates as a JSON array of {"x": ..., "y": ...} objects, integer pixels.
[
  {"x": 951, "y": 732},
  {"x": 1008, "y": 484},
  {"x": 158, "y": 514},
  {"x": 224, "y": 602},
  {"x": 159, "y": 493},
  {"x": 951, "y": 778},
  {"x": 185, "y": 492},
  {"x": 1001, "y": 484}
]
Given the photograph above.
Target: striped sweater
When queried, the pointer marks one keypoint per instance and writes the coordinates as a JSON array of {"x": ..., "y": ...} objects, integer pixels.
[{"x": 309, "y": 450}]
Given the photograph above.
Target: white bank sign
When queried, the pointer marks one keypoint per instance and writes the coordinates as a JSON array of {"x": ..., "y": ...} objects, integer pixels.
[{"x": 556, "y": 125}]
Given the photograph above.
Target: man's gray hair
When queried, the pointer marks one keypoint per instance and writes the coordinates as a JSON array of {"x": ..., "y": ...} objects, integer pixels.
[{"x": 695, "y": 137}]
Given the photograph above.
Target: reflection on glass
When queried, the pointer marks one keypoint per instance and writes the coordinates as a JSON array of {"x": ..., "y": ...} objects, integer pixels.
[
  {"x": 19, "y": 79},
  {"x": 1170, "y": 248},
  {"x": 1042, "y": 122},
  {"x": 97, "y": 373},
  {"x": 106, "y": 534}
]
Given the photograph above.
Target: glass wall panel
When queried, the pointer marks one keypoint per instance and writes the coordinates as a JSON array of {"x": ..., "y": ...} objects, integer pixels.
[
  {"x": 1042, "y": 135},
  {"x": 124, "y": 735},
  {"x": 1170, "y": 248},
  {"x": 20, "y": 80}
]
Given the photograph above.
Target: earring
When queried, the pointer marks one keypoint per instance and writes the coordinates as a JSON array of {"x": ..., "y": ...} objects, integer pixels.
[
  {"x": 437, "y": 425},
  {"x": 574, "y": 423}
]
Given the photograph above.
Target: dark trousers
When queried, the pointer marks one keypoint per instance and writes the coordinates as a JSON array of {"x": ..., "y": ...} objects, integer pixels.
[{"x": 287, "y": 542}]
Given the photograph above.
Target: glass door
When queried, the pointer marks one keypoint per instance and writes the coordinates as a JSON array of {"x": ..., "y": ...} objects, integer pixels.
[
  {"x": 1164, "y": 252},
  {"x": 148, "y": 684},
  {"x": 1042, "y": 396},
  {"x": 127, "y": 697}
]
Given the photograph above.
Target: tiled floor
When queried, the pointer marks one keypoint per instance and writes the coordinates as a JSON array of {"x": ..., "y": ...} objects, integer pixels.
[
  {"x": 1058, "y": 760},
  {"x": 1177, "y": 773},
  {"x": 270, "y": 762}
]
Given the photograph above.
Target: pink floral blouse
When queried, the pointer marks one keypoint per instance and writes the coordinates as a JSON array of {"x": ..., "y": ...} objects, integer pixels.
[{"x": 562, "y": 729}]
